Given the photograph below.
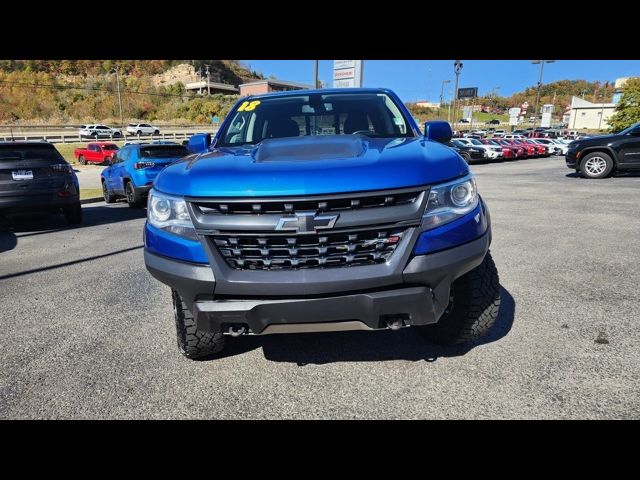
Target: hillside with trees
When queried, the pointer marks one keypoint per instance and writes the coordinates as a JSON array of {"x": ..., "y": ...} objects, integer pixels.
[{"x": 80, "y": 91}]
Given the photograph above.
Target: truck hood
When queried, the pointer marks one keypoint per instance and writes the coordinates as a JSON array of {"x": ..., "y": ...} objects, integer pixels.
[{"x": 310, "y": 166}]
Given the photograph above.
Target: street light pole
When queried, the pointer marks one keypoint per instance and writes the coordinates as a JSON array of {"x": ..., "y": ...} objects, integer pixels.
[
  {"x": 535, "y": 111},
  {"x": 119, "y": 98},
  {"x": 457, "y": 68},
  {"x": 315, "y": 85},
  {"x": 442, "y": 93}
]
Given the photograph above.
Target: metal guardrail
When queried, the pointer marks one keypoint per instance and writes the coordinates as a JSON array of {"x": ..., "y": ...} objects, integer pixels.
[{"x": 75, "y": 138}]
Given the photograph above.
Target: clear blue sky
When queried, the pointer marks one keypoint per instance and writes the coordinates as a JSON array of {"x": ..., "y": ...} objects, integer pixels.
[{"x": 422, "y": 79}]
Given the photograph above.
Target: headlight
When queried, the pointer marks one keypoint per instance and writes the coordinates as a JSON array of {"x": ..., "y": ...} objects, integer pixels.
[
  {"x": 450, "y": 201},
  {"x": 170, "y": 214}
]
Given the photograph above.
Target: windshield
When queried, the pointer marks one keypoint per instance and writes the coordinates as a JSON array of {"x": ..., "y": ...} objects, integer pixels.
[
  {"x": 629, "y": 129},
  {"x": 370, "y": 114},
  {"x": 163, "y": 151},
  {"x": 458, "y": 143},
  {"x": 30, "y": 152},
  {"x": 476, "y": 142}
]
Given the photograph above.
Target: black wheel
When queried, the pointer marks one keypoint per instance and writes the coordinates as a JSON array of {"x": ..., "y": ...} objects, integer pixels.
[
  {"x": 108, "y": 198},
  {"x": 466, "y": 157},
  {"x": 82, "y": 160},
  {"x": 139, "y": 133},
  {"x": 133, "y": 199},
  {"x": 193, "y": 343},
  {"x": 106, "y": 161},
  {"x": 157, "y": 132},
  {"x": 473, "y": 307},
  {"x": 117, "y": 134},
  {"x": 596, "y": 165},
  {"x": 73, "y": 214},
  {"x": 96, "y": 135}
]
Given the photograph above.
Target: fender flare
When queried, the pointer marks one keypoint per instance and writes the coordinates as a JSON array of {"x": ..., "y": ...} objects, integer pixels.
[{"x": 596, "y": 148}]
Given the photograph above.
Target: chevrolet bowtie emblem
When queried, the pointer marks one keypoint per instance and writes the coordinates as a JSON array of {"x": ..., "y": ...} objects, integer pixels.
[{"x": 307, "y": 222}]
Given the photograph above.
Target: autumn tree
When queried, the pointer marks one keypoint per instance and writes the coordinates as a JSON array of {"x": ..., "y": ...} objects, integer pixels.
[{"x": 628, "y": 109}]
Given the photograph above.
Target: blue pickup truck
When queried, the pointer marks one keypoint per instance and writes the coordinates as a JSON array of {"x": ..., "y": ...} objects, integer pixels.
[{"x": 321, "y": 210}]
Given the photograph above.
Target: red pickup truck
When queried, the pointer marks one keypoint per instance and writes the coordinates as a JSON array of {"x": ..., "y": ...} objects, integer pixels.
[{"x": 96, "y": 152}]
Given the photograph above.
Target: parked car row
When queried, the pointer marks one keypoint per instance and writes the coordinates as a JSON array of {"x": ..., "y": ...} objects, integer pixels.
[
  {"x": 487, "y": 149},
  {"x": 102, "y": 131}
]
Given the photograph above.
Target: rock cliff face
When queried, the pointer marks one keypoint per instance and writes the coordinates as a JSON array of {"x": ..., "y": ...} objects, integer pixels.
[{"x": 183, "y": 73}]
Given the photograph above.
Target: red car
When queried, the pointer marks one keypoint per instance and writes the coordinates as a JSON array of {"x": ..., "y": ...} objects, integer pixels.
[
  {"x": 519, "y": 150},
  {"x": 96, "y": 152},
  {"x": 531, "y": 150},
  {"x": 541, "y": 152},
  {"x": 507, "y": 151}
]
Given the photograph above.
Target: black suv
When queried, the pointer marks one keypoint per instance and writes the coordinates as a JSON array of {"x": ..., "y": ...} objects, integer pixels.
[
  {"x": 598, "y": 157},
  {"x": 34, "y": 176},
  {"x": 469, "y": 154}
]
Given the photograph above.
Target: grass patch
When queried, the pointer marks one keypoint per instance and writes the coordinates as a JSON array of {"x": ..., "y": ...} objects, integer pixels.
[{"x": 90, "y": 193}]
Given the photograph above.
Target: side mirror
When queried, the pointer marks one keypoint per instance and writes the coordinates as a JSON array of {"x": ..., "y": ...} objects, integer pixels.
[
  {"x": 199, "y": 143},
  {"x": 438, "y": 131}
]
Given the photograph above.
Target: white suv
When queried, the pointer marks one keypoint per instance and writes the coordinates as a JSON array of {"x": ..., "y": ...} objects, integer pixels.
[
  {"x": 97, "y": 130},
  {"x": 142, "y": 129},
  {"x": 490, "y": 151}
]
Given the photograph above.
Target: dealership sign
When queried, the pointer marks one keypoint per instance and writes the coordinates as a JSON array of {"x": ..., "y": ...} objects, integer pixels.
[
  {"x": 471, "y": 92},
  {"x": 347, "y": 73}
]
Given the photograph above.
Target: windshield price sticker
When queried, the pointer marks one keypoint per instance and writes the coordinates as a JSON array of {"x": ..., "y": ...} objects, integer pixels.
[{"x": 248, "y": 106}]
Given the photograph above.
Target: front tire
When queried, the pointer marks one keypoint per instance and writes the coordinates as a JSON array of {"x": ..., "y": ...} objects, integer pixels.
[
  {"x": 73, "y": 214},
  {"x": 465, "y": 156},
  {"x": 193, "y": 343},
  {"x": 108, "y": 198},
  {"x": 473, "y": 308},
  {"x": 133, "y": 199},
  {"x": 596, "y": 165}
]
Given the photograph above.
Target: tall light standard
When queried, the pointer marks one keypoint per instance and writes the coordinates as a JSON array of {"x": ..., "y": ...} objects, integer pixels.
[
  {"x": 315, "y": 84},
  {"x": 442, "y": 93},
  {"x": 119, "y": 97},
  {"x": 535, "y": 111},
  {"x": 457, "y": 68}
]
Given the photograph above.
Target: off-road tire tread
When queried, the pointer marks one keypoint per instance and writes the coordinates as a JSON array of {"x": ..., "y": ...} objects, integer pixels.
[
  {"x": 192, "y": 343},
  {"x": 475, "y": 307}
]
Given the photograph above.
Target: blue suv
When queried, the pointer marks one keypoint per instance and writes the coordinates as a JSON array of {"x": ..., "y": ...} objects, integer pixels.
[
  {"x": 133, "y": 169},
  {"x": 322, "y": 210}
]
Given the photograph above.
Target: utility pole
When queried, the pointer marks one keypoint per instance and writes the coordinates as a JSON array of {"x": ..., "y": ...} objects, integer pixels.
[
  {"x": 208, "y": 89},
  {"x": 315, "y": 85},
  {"x": 119, "y": 98},
  {"x": 442, "y": 95},
  {"x": 535, "y": 111},
  {"x": 457, "y": 68}
]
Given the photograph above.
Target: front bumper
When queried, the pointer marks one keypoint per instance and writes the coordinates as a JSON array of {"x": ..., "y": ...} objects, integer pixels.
[
  {"x": 418, "y": 296},
  {"x": 571, "y": 159}
]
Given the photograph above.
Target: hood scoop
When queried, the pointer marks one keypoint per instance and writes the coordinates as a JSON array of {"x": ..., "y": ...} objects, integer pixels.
[{"x": 326, "y": 147}]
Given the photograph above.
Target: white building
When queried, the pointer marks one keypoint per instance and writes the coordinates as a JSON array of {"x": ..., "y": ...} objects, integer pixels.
[{"x": 587, "y": 115}]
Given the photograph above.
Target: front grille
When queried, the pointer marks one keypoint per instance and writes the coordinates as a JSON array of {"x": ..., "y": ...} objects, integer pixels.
[
  {"x": 284, "y": 252},
  {"x": 354, "y": 202}
]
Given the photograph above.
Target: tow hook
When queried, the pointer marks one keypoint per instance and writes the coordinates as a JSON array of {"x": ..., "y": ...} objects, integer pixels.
[
  {"x": 396, "y": 322},
  {"x": 237, "y": 332}
]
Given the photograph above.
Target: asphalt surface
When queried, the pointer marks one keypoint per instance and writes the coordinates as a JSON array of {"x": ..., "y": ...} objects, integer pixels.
[{"x": 87, "y": 333}]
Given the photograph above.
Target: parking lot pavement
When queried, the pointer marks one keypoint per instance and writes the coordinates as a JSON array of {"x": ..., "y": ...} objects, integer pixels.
[
  {"x": 87, "y": 333},
  {"x": 89, "y": 175}
]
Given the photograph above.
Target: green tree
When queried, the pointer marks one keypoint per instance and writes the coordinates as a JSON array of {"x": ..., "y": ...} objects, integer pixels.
[{"x": 628, "y": 109}]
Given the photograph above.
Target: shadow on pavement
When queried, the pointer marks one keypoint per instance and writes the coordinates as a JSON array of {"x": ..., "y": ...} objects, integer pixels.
[
  {"x": 405, "y": 344},
  {"x": 615, "y": 175},
  {"x": 16, "y": 226}
]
